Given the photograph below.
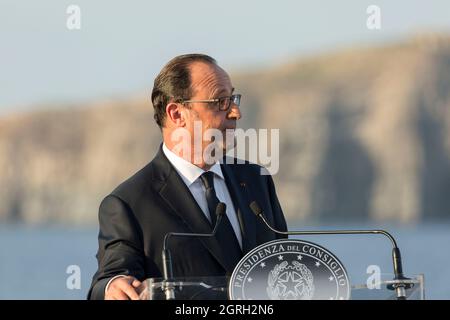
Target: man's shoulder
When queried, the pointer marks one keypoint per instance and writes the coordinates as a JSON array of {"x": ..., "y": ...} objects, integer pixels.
[
  {"x": 245, "y": 166},
  {"x": 145, "y": 179},
  {"x": 138, "y": 181}
]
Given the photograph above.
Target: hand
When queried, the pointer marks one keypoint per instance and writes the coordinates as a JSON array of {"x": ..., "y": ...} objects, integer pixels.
[{"x": 123, "y": 288}]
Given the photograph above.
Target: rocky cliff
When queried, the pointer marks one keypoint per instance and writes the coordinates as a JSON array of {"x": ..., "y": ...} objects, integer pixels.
[{"x": 364, "y": 134}]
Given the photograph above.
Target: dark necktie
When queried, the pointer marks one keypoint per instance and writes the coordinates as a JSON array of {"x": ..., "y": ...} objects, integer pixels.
[{"x": 225, "y": 234}]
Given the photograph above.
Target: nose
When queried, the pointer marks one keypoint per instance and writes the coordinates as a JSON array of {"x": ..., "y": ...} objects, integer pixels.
[{"x": 234, "y": 113}]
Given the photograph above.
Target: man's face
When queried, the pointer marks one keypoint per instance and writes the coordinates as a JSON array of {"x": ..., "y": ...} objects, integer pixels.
[{"x": 210, "y": 82}]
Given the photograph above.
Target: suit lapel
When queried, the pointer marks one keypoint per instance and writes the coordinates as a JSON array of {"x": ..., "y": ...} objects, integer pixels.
[
  {"x": 178, "y": 196},
  {"x": 239, "y": 195}
]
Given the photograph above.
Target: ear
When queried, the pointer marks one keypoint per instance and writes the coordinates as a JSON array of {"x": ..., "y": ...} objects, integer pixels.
[{"x": 175, "y": 115}]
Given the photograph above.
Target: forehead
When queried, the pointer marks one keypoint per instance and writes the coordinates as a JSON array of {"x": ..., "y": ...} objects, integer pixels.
[{"x": 209, "y": 78}]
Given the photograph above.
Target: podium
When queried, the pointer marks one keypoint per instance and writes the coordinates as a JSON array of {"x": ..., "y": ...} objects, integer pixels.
[
  {"x": 380, "y": 290},
  {"x": 187, "y": 288},
  {"x": 290, "y": 269},
  {"x": 216, "y": 288}
]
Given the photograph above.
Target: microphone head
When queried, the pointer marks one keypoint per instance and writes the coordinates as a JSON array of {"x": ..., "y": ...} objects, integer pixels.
[
  {"x": 256, "y": 208},
  {"x": 221, "y": 209}
]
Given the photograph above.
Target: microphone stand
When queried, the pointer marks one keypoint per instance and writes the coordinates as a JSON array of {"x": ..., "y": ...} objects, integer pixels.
[
  {"x": 168, "y": 282},
  {"x": 399, "y": 285}
]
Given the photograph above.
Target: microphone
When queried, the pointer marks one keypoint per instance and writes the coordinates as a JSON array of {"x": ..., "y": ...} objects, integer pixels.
[
  {"x": 399, "y": 285},
  {"x": 169, "y": 287}
]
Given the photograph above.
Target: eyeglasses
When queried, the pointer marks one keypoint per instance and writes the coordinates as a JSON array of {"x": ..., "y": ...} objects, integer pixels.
[{"x": 224, "y": 103}]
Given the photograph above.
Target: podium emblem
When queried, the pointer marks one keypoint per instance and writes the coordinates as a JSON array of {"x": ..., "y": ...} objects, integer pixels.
[{"x": 289, "y": 270}]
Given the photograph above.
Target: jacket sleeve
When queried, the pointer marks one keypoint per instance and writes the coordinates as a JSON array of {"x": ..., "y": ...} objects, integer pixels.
[{"x": 120, "y": 249}]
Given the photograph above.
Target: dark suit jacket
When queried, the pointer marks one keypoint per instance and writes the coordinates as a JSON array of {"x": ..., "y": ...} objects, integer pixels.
[{"x": 135, "y": 217}]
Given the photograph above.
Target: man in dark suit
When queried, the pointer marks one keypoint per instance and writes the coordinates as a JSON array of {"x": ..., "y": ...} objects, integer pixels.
[{"x": 180, "y": 188}]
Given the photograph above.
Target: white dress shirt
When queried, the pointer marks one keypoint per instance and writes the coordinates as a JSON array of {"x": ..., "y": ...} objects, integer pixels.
[{"x": 190, "y": 174}]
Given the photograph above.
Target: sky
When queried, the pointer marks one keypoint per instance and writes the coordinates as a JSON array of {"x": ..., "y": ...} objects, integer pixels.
[{"x": 121, "y": 46}]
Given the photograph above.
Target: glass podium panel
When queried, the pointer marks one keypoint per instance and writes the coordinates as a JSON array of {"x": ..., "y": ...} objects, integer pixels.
[
  {"x": 414, "y": 290},
  {"x": 215, "y": 288},
  {"x": 191, "y": 288}
]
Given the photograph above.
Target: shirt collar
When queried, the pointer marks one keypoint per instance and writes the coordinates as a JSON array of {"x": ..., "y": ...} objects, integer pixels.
[{"x": 188, "y": 171}]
